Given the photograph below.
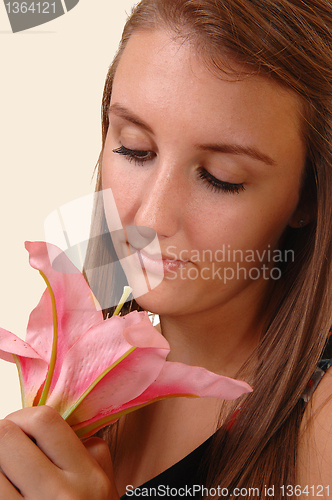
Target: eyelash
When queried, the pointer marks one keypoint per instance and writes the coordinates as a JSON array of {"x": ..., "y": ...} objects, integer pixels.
[
  {"x": 140, "y": 157},
  {"x": 217, "y": 185}
]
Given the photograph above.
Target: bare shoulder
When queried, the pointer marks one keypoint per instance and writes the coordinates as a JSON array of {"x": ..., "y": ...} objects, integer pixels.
[{"x": 315, "y": 442}]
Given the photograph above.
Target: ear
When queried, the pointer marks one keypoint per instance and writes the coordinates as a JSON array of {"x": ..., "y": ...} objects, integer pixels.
[
  {"x": 306, "y": 210},
  {"x": 299, "y": 219}
]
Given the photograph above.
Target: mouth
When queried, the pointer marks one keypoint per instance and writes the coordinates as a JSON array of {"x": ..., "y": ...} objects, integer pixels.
[{"x": 157, "y": 263}]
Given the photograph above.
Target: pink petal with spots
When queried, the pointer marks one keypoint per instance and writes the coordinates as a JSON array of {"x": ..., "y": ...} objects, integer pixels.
[
  {"x": 11, "y": 344},
  {"x": 75, "y": 304},
  {"x": 31, "y": 368},
  {"x": 95, "y": 352},
  {"x": 122, "y": 384},
  {"x": 103, "y": 369},
  {"x": 175, "y": 379},
  {"x": 143, "y": 335}
]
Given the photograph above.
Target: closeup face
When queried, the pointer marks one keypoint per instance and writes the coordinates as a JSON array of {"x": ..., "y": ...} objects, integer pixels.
[{"x": 212, "y": 164}]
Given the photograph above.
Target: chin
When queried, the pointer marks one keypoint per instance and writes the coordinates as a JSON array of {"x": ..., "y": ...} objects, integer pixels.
[
  {"x": 159, "y": 302},
  {"x": 170, "y": 301}
]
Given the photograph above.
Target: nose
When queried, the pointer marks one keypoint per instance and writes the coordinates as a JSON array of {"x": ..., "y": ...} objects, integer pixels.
[{"x": 162, "y": 200}]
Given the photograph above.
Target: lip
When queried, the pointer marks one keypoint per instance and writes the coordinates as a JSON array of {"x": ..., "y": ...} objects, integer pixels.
[{"x": 156, "y": 264}]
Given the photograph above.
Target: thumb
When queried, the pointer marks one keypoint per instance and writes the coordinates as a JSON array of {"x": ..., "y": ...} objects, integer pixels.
[{"x": 99, "y": 450}]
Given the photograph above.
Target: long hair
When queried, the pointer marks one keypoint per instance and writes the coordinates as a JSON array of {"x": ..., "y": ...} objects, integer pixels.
[{"x": 289, "y": 41}]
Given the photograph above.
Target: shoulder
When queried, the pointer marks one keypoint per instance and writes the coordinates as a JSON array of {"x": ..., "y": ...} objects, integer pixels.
[{"x": 315, "y": 441}]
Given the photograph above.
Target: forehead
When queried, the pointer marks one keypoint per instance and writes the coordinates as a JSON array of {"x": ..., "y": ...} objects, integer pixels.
[
  {"x": 160, "y": 56},
  {"x": 159, "y": 76}
]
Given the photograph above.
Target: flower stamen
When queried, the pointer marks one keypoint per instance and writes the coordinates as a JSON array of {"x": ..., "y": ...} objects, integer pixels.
[{"x": 126, "y": 292}]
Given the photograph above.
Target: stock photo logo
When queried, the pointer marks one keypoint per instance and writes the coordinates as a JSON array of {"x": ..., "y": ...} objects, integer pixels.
[
  {"x": 78, "y": 229},
  {"x": 25, "y": 15}
]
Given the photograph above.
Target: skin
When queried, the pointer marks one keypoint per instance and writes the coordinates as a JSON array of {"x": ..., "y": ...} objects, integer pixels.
[
  {"x": 185, "y": 107},
  {"x": 314, "y": 450},
  {"x": 58, "y": 466}
]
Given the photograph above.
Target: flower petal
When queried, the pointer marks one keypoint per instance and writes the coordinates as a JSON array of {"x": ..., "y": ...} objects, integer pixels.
[
  {"x": 86, "y": 429},
  {"x": 175, "y": 379},
  {"x": 32, "y": 373},
  {"x": 11, "y": 344},
  {"x": 142, "y": 335},
  {"x": 75, "y": 304},
  {"x": 32, "y": 370},
  {"x": 122, "y": 384},
  {"x": 40, "y": 327},
  {"x": 96, "y": 355},
  {"x": 180, "y": 379}
]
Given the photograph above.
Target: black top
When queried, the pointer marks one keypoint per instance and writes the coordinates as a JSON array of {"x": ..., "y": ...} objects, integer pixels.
[{"x": 182, "y": 480}]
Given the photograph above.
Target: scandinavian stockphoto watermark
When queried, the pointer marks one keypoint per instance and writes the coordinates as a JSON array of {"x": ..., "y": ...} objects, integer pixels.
[
  {"x": 75, "y": 227},
  {"x": 226, "y": 263},
  {"x": 89, "y": 232},
  {"x": 24, "y": 15}
]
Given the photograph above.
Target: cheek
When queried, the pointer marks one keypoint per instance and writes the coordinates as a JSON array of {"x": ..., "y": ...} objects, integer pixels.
[
  {"x": 211, "y": 229},
  {"x": 244, "y": 225},
  {"x": 125, "y": 191}
]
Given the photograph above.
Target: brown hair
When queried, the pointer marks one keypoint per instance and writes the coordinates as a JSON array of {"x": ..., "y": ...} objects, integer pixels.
[{"x": 289, "y": 41}]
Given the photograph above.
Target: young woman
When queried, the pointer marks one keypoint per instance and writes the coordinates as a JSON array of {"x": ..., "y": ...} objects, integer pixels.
[{"x": 216, "y": 128}]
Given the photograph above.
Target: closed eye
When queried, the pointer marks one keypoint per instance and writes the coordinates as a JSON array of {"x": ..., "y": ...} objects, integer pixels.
[
  {"x": 218, "y": 185},
  {"x": 141, "y": 156},
  {"x": 137, "y": 156}
]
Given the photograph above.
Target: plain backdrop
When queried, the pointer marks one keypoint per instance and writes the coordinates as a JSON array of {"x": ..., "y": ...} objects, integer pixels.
[{"x": 52, "y": 79}]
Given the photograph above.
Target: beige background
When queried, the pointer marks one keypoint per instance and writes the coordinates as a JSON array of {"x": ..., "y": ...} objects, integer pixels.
[{"x": 52, "y": 78}]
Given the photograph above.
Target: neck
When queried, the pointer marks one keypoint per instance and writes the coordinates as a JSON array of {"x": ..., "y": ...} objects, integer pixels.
[{"x": 220, "y": 339}]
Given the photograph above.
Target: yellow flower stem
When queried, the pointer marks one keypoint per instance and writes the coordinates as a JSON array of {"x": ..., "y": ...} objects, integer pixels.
[
  {"x": 20, "y": 376},
  {"x": 49, "y": 377},
  {"x": 126, "y": 292}
]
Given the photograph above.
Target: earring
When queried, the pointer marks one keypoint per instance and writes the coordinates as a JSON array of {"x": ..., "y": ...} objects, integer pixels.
[{"x": 301, "y": 222}]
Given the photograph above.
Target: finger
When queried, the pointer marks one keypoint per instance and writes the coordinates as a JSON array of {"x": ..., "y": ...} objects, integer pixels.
[
  {"x": 21, "y": 460},
  {"x": 99, "y": 450},
  {"x": 53, "y": 436},
  {"x": 7, "y": 490}
]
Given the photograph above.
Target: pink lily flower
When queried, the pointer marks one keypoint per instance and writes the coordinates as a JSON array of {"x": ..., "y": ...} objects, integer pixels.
[{"x": 92, "y": 370}]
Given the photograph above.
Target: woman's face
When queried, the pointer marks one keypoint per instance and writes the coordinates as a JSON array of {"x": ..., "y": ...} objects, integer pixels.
[{"x": 212, "y": 164}]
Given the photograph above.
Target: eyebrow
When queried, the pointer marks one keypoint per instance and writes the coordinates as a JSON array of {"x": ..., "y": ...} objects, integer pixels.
[
  {"x": 226, "y": 148},
  {"x": 124, "y": 113},
  {"x": 237, "y": 149}
]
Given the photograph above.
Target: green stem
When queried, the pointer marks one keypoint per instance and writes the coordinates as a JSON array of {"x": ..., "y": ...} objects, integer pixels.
[
  {"x": 51, "y": 367},
  {"x": 20, "y": 376}
]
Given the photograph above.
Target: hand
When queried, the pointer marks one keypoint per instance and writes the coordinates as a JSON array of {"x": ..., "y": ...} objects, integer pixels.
[{"x": 41, "y": 457}]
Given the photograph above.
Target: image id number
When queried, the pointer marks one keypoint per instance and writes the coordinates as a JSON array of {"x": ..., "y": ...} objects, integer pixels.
[
  {"x": 33, "y": 7},
  {"x": 313, "y": 491}
]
